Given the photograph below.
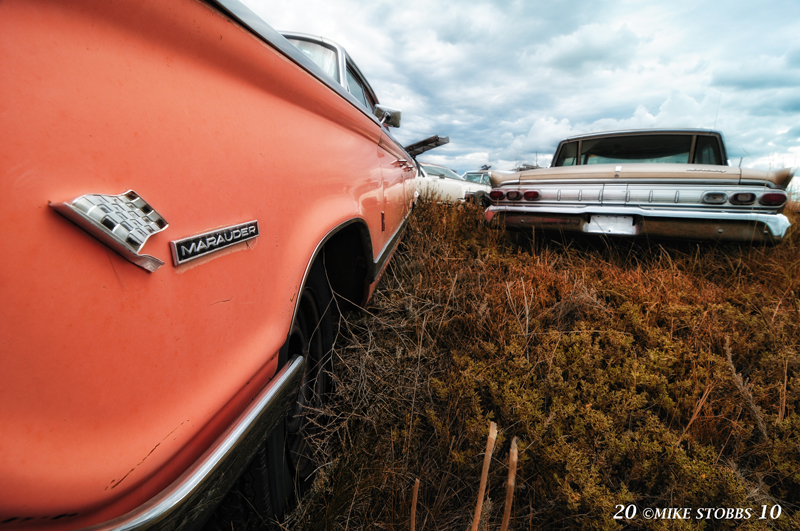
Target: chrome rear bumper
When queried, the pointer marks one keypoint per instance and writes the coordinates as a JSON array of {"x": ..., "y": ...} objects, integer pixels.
[{"x": 663, "y": 223}]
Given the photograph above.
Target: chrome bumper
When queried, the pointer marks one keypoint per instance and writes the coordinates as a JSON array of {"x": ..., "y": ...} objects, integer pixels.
[
  {"x": 668, "y": 223},
  {"x": 188, "y": 501}
]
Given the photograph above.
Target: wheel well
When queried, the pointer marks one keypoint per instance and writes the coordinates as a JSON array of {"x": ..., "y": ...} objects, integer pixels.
[{"x": 348, "y": 264}]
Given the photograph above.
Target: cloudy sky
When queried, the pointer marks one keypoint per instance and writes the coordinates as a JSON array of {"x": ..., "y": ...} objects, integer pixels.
[{"x": 506, "y": 80}]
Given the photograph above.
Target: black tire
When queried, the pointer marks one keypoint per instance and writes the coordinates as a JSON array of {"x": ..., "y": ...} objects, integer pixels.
[
  {"x": 481, "y": 199},
  {"x": 283, "y": 468}
]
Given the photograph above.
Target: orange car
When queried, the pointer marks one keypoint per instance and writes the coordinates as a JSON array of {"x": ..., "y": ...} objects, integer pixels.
[{"x": 189, "y": 200}]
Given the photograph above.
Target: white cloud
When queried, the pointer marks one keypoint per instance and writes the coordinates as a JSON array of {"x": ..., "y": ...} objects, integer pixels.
[
  {"x": 591, "y": 47},
  {"x": 507, "y": 79}
]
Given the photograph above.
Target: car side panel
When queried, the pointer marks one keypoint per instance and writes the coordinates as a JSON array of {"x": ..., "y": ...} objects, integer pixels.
[
  {"x": 116, "y": 379},
  {"x": 397, "y": 170},
  {"x": 441, "y": 189}
]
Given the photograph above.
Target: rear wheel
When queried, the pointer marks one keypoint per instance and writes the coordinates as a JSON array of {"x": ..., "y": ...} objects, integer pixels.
[
  {"x": 283, "y": 468},
  {"x": 311, "y": 337},
  {"x": 481, "y": 199}
]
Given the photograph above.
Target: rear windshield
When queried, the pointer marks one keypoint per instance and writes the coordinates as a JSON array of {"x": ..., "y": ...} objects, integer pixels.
[
  {"x": 640, "y": 148},
  {"x": 476, "y": 177},
  {"x": 437, "y": 171}
]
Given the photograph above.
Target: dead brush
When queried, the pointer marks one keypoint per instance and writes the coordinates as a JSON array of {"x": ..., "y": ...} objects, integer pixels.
[
  {"x": 578, "y": 304},
  {"x": 607, "y": 361}
]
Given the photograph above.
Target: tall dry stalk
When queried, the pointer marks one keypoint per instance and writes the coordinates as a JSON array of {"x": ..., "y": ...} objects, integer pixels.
[
  {"x": 748, "y": 396},
  {"x": 698, "y": 407},
  {"x": 414, "y": 505},
  {"x": 782, "y": 406},
  {"x": 487, "y": 460},
  {"x": 512, "y": 474}
]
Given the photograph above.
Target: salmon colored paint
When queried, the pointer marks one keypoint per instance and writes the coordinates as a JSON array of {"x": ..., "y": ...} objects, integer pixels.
[{"x": 115, "y": 380}]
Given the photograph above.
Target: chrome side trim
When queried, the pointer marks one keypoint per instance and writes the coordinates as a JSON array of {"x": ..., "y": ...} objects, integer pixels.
[
  {"x": 666, "y": 181},
  {"x": 189, "y": 500},
  {"x": 386, "y": 252}
]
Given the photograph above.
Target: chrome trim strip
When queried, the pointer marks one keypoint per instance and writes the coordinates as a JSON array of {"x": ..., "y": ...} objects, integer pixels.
[
  {"x": 665, "y": 182},
  {"x": 191, "y": 498},
  {"x": 386, "y": 252}
]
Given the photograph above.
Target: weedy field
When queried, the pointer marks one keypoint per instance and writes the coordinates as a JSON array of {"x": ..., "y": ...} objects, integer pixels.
[{"x": 634, "y": 375}]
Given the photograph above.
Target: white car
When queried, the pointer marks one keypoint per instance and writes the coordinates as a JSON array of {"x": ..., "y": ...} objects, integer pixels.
[{"x": 443, "y": 184}]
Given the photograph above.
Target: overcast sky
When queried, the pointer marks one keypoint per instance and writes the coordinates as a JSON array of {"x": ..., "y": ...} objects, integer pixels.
[{"x": 506, "y": 80}]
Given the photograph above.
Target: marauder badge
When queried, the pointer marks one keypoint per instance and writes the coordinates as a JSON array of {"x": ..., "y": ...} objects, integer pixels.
[
  {"x": 203, "y": 244},
  {"x": 123, "y": 222}
]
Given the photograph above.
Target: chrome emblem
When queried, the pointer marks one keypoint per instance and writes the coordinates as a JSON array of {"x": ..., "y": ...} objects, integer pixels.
[
  {"x": 707, "y": 170},
  {"x": 123, "y": 222},
  {"x": 204, "y": 244}
]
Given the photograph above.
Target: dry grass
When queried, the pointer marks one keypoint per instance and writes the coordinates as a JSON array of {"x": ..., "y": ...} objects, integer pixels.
[{"x": 663, "y": 375}]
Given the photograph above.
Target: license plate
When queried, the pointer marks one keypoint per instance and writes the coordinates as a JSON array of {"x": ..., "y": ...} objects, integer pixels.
[{"x": 602, "y": 224}]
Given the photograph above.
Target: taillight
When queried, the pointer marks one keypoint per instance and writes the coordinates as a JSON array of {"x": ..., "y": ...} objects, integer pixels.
[
  {"x": 743, "y": 198},
  {"x": 514, "y": 195},
  {"x": 531, "y": 195},
  {"x": 714, "y": 198},
  {"x": 496, "y": 195},
  {"x": 772, "y": 199}
]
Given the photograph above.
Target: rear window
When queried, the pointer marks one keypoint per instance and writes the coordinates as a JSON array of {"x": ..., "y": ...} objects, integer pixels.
[
  {"x": 568, "y": 156},
  {"x": 436, "y": 171},
  {"x": 707, "y": 151},
  {"x": 477, "y": 177},
  {"x": 674, "y": 148},
  {"x": 324, "y": 57},
  {"x": 637, "y": 148}
]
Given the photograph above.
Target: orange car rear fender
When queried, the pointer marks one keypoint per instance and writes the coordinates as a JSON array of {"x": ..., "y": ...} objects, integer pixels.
[{"x": 115, "y": 378}]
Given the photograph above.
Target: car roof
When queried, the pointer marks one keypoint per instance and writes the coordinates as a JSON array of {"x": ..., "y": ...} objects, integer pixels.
[
  {"x": 341, "y": 54},
  {"x": 643, "y": 132}
]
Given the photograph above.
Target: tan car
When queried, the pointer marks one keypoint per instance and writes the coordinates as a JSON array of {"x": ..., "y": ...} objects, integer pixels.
[{"x": 659, "y": 183}]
